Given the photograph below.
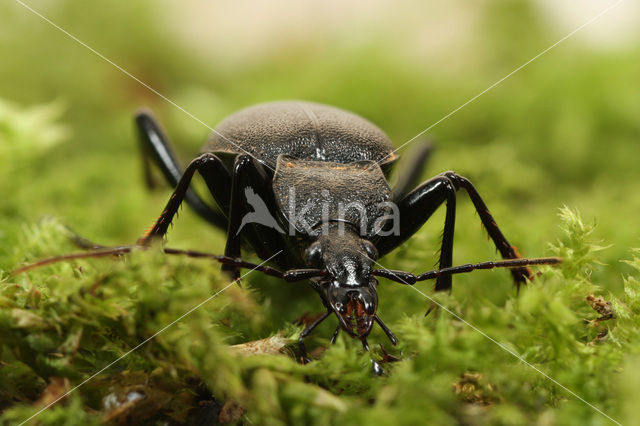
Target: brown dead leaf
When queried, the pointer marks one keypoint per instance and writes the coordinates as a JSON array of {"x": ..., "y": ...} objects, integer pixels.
[
  {"x": 601, "y": 337},
  {"x": 133, "y": 404},
  {"x": 387, "y": 357},
  {"x": 273, "y": 345},
  {"x": 230, "y": 412},
  {"x": 473, "y": 388},
  {"x": 57, "y": 387},
  {"x": 22, "y": 318},
  {"x": 602, "y": 307}
]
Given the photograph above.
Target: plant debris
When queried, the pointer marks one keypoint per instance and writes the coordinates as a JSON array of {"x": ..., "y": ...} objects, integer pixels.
[{"x": 473, "y": 388}]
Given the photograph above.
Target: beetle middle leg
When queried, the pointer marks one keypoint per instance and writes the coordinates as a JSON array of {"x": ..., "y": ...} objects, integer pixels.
[
  {"x": 210, "y": 167},
  {"x": 250, "y": 214}
]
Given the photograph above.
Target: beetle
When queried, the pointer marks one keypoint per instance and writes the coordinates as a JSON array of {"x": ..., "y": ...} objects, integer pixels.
[{"x": 281, "y": 174}]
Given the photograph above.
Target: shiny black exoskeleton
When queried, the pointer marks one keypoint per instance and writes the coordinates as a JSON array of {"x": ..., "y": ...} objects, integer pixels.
[{"x": 282, "y": 173}]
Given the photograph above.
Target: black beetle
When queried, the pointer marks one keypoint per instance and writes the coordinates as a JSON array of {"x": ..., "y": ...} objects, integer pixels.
[{"x": 308, "y": 182}]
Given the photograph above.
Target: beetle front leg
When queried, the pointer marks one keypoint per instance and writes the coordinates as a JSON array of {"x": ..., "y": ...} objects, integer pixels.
[
  {"x": 208, "y": 165},
  {"x": 418, "y": 206},
  {"x": 306, "y": 332},
  {"x": 507, "y": 251},
  {"x": 415, "y": 209}
]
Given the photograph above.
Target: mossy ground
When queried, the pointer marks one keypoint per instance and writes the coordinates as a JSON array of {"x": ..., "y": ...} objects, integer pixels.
[{"x": 564, "y": 131}]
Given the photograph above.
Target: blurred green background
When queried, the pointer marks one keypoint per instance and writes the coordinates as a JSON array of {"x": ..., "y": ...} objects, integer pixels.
[{"x": 564, "y": 130}]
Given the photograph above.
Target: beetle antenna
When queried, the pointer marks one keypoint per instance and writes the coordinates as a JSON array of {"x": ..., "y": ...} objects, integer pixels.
[
  {"x": 294, "y": 275},
  {"x": 508, "y": 263},
  {"x": 401, "y": 277},
  {"x": 117, "y": 251},
  {"x": 113, "y": 251}
]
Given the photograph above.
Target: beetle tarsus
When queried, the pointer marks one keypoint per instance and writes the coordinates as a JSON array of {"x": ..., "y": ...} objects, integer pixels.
[
  {"x": 365, "y": 345},
  {"x": 335, "y": 334},
  {"x": 432, "y": 307},
  {"x": 377, "y": 369}
]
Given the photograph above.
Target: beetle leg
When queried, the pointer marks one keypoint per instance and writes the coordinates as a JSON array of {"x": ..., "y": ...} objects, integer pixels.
[
  {"x": 365, "y": 345},
  {"x": 375, "y": 367},
  {"x": 250, "y": 213},
  {"x": 206, "y": 164},
  {"x": 415, "y": 209},
  {"x": 335, "y": 334},
  {"x": 387, "y": 331},
  {"x": 520, "y": 275},
  {"x": 305, "y": 333},
  {"x": 156, "y": 148},
  {"x": 414, "y": 169}
]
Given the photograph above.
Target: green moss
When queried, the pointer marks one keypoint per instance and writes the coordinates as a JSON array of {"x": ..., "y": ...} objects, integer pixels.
[{"x": 72, "y": 319}]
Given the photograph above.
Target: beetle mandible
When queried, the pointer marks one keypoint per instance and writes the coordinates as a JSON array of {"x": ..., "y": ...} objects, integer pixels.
[{"x": 261, "y": 156}]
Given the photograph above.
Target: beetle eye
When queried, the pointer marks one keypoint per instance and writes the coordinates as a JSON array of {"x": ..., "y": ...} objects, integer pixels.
[
  {"x": 314, "y": 255},
  {"x": 371, "y": 250}
]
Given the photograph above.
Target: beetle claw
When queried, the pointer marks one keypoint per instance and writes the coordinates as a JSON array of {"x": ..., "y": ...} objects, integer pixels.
[
  {"x": 432, "y": 307},
  {"x": 335, "y": 334},
  {"x": 233, "y": 273},
  {"x": 365, "y": 345},
  {"x": 521, "y": 276},
  {"x": 377, "y": 368},
  {"x": 304, "y": 360}
]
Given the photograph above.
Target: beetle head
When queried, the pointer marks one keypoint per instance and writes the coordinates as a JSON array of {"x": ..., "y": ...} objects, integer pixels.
[{"x": 348, "y": 289}]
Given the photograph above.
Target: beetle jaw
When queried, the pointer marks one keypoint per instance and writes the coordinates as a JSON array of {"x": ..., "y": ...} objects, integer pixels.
[
  {"x": 355, "y": 308},
  {"x": 355, "y": 321}
]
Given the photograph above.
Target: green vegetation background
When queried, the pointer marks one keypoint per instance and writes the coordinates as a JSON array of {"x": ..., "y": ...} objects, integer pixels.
[{"x": 563, "y": 131}]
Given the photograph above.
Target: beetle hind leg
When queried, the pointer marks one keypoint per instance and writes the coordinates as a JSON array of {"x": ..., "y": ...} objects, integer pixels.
[
  {"x": 156, "y": 149},
  {"x": 410, "y": 178}
]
